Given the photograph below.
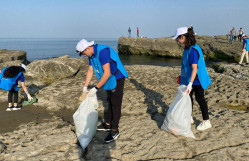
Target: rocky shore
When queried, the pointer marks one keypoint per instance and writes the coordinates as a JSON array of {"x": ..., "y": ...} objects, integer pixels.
[
  {"x": 149, "y": 90},
  {"x": 215, "y": 48}
]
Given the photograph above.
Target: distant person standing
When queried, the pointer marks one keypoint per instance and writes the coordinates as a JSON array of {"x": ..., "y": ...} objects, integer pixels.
[
  {"x": 232, "y": 34},
  {"x": 241, "y": 32},
  {"x": 245, "y": 49},
  {"x": 129, "y": 32},
  {"x": 137, "y": 32}
]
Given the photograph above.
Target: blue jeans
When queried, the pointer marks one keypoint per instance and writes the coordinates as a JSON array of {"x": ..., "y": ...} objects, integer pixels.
[{"x": 231, "y": 38}]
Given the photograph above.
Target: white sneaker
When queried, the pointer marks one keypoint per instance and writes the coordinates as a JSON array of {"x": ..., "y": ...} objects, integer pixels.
[
  {"x": 205, "y": 124},
  {"x": 192, "y": 120},
  {"x": 9, "y": 109}
]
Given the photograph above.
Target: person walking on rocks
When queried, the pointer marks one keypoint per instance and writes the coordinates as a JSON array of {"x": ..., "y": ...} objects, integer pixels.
[
  {"x": 110, "y": 72},
  {"x": 232, "y": 35},
  {"x": 9, "y": 78},
  {"x": 245, "y": 49},
  {"x": 193, "y": 72},
  {"x": 241, "y": 32}
]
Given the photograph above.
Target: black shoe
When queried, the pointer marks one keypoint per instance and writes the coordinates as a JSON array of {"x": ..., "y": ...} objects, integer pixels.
[
  {"x": 104, "y": 127},
  {"x": 9, "y": 108},
  {"x": 113, "y": 135},
  {"x": 16, "y": 108}
]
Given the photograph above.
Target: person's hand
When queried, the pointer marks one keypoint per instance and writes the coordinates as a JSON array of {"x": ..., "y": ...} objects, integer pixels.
[
  {"x": 85, "y": 89},
  {"x": 92, "y": 92},
  {"x": 243, "y": 50},
  {"x": 189, "y": 88},
  {"x": 29, "y": 97},
  {"x": 178, "y": 79}
]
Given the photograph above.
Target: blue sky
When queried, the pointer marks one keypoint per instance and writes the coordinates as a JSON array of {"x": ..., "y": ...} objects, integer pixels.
[{"x": 111, "y": 18}]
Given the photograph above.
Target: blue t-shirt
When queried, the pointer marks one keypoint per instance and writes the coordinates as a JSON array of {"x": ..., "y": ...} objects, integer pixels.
[
  {"x": 104, "y": 57},
  {"x": 245, "y": 42},
  {"x": 20, "y": 78},
  {"x": 193, "y": 59}
]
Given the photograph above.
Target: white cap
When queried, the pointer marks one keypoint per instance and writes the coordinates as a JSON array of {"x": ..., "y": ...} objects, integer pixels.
[
  {"x": 24, "y": 66},
  {"x": 83, "y": 44},
  {"x": 243, "y": 35},
  {"x": 180, "y": 31}
]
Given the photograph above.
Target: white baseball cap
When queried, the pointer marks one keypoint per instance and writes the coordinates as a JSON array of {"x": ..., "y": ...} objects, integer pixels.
[
  {"x": 83, "y": 44},
  {"x": 243, "y": 35},
  {"x": 180, "y": 31},
  {"x": 24, "y": 66}
]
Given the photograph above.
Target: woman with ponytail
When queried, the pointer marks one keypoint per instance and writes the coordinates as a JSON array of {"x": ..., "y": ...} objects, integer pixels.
[
  {"x": 193, "y": 72},
  {"x": 9, "y": 78}
]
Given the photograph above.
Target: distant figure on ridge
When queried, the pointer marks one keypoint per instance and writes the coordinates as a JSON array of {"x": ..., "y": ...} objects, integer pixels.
[
  {"x": 245, "y": 49},
  {"x": 193, "y": 72},
  {"x": 137, "y": 32},
  {"x": 241, "y": 32},
  {"x": 232, "y": 34},
  {"x": 129, "y": 32},
  {"x": 9, "y": 78},
  {"x": 111, "y": 74}
]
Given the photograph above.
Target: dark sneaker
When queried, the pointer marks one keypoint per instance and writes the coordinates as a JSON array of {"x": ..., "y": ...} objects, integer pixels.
[
  {"x": 16, "y": 108},
  {"x": 9, "y": 108},
  {"x": 113, "y": 135},
  {"x": 104, "y": 127}
]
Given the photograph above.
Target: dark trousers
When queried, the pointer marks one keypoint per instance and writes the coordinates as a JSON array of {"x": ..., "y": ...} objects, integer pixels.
[
  {"x": 199, "y": 96},
  {"x": 114, "y": 99},
  {"x": 10, "y": 95}
]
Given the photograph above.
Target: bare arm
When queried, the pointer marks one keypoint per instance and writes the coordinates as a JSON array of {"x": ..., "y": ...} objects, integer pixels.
[
  {"x": 105, "y": 76},
  {"x": 24, "y": 88},
  {"x": 194, "y": 72},
  {"x": 89, "y": 75}
]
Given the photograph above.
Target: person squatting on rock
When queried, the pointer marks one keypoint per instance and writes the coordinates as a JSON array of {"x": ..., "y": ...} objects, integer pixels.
[
  {"x": 245, "y": 49},
  {"x": 193, "y": 72},
  {"x": 110, "y": 72},
  {"x": 9, "y": 78}
]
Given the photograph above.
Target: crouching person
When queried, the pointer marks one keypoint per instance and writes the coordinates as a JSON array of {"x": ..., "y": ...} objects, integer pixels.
[
  {"x": 9, "y": 78},
  {"x": 110, "y": 72}
]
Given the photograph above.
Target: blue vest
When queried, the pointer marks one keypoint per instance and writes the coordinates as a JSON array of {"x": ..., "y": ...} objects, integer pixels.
[
  {"x": 111, "y": 83},
  {"x": 247, "y": 44},
  {"x": 7, "y": 83},
  {"x": 186, "y": 69}
]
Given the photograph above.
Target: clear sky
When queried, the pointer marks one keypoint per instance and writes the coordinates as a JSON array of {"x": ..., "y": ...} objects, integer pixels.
[{"x": 111, "y": 18}]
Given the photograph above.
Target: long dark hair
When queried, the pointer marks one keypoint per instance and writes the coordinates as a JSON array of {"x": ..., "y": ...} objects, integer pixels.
[
  {"x": 12, "y": 71},
  {"x": 190, "y": 37}
]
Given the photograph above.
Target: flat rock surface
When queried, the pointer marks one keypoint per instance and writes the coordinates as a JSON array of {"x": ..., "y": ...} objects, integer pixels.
[{"x": 148, "y": 93}]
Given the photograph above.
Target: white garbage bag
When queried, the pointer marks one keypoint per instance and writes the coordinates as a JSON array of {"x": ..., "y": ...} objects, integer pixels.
[
  {"x": 86, "y": 120},
  {"x": 178, "y": 117}
]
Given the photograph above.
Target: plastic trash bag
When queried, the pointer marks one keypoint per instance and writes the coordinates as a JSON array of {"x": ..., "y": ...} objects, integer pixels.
[
  {"x": 29, "y": 102},
  {"x": 178, "y": 117},
  {"x": 86, "y": 120}
]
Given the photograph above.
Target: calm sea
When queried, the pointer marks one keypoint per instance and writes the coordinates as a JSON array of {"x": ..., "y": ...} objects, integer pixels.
[{"x": 48, "y": 48}]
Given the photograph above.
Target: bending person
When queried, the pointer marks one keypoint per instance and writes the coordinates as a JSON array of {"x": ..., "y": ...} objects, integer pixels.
[
  {"x": 110, "y": 72},
  {"x": 193, "y": 72},
  {"x": 9, "y": 78}
]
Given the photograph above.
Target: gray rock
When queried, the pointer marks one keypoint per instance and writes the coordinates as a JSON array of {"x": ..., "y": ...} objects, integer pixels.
[
  {"x": 54, "y": 69},
  {"x": 12, "y": 55},
  {"x": 214, "y": 47}
]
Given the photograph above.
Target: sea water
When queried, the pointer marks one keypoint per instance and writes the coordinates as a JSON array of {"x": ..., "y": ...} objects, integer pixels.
[{"x": 49, "y": 48}]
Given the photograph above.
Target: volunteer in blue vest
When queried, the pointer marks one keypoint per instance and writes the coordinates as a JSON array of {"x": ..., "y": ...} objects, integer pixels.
[
  {"x": 245, "y": 49},
  {"x": 9, "y": 78},
  {"x": 110, "y": 72},
  {"x": 193, "y": 72}
]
